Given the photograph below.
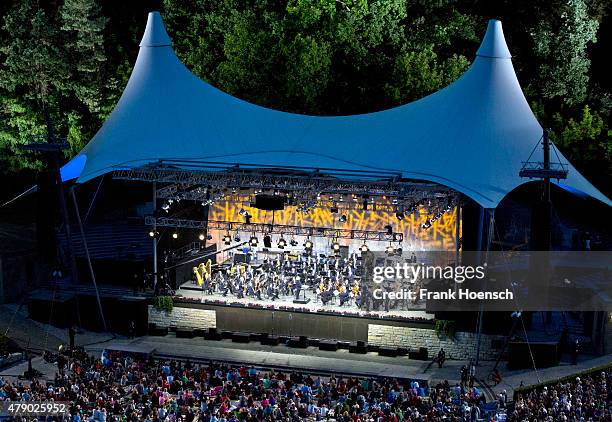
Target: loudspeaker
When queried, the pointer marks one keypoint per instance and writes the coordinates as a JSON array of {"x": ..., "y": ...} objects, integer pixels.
[
  {"x": 387, "y": 351},
  {"x": 269, "y": 202},
  {"x": 329, "y": 345},
  {"x": 267, "y": 241},
  {"x": 184, "y": 332}
]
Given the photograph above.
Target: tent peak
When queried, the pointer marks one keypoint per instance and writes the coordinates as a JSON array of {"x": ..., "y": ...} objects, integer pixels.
[
  {"x": 155, "y": 34},
  {"x": 493, "y": 43}
]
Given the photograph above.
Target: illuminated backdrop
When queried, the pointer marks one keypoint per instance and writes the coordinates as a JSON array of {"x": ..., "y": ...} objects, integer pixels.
[{"x": 440, "y": 236}]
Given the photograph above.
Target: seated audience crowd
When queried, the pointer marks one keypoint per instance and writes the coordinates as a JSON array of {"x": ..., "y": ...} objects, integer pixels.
[
  {"x": 585, "y": 398},
  {"x": 122, "y": 388}
]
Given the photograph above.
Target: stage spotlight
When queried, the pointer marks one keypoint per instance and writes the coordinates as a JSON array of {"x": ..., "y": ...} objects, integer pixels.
[
  {"x": 293, "y": 242},
  {"x": 282, "y": 243},
  {"x": 165, "y": 207},
  {"x": 399, "y": 215},
  {"x": 343, "y": 218},
  {"x": 398, "y": 251},
  {"x": 237, "y": 237},
  {"x": 227, "y": 239},
  {"x": 152, "y": 233},
  {"x": 254, "y": 241},
  {"x": 426, "y": 224},
  {"x": 390, "y": 250},
  {"x": 175, "y": 235},
  {"x": 334, "y": 209},
  {"x": 308, "y": 244},
  {"x": 336, "y": 246},
  {"x": 209, "y": 237},
  {"x": 389, "y": 229},
  {"x": 364, "y": 248},
  {"x": 243, "y": 212},
  {"x": 247, "y": 218},
  {"x": 201, "y": 236}
]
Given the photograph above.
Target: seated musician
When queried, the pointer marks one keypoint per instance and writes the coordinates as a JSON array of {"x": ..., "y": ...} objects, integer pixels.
[
  {"x": 344, "y": 294},
  {"x": 272, "y": 291},
  {"x": 327, "y": 294}
]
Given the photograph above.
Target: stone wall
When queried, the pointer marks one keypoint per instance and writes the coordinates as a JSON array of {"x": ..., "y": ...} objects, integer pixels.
[
  {"x": 183, "y": 317},
  {"x": 462, "y": 347}
]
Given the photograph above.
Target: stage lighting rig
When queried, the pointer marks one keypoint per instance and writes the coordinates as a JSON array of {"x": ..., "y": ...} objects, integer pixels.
[
  {"x": 227, "y": 239},
  {"x": 336, "y": 246},
  {"x": 342, "y": 218},
  {"x": 282, "y": 243},
  {"x": 201, "y": 236},
  {"x": 308, "y": 244},
  {"x": 237, "y": 237},
  {"x": 390, "y": 250},
  {"x": 254, "y": 241},
  {"x": 364, "y": 248}
]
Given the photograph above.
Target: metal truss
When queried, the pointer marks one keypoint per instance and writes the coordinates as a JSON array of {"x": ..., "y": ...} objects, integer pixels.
[
  {"x": 230, "y": 226},
  {"x": 198, "y": 183}
]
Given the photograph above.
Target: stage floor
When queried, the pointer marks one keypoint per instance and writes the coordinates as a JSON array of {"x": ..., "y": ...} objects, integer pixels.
[
  {"x": 191, "y": 291},
  {"x": 310, "y": 360}
]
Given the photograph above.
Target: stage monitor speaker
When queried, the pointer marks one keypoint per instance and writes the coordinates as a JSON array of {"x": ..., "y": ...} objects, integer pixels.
[
  {"x": 269, "y": 202},
  {"x": 387, "y": 351},
  {"x": 267, "y": 241}
]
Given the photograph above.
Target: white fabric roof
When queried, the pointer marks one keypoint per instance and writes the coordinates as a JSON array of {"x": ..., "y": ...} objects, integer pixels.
[{"x": 471, "y": 136}]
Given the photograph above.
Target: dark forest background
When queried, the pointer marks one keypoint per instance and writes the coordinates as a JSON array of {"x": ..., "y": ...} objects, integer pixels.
[{"x": 322, "y": 57}]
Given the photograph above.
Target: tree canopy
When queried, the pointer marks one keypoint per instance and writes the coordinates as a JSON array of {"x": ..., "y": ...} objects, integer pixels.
[{"x": 322, "y": 57}]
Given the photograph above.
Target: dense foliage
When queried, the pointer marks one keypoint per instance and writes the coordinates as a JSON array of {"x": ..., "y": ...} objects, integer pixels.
[{"x": 73, "y": 57}]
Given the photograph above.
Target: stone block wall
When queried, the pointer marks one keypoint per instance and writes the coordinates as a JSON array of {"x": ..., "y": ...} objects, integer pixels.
[
  {"x": 183, "y": 317},
  {"x": 462, "y": 347}
]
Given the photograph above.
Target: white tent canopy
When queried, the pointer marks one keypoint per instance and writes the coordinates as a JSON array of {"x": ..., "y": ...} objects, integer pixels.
[{"x": 472, "y": 136}]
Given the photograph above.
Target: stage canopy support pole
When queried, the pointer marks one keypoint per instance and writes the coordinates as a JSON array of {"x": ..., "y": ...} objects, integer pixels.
[
  {"x": 486, "y": 215},
  {"x": 457, "y": 233},
  {"x": 86, "y": 249},
  {"x": 155, "y": 237}
]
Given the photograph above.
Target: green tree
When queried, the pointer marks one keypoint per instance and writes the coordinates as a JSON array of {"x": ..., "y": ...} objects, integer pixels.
[
  {"x": 83, "y": 27},
  {"x": 33, "y": 76},
  {"x": 562, "y": 46}
]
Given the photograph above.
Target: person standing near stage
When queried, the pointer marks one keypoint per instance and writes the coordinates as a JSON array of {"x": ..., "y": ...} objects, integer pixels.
[
  {"x": 441, "y": 357},
  {"x": 575, "y": 351},
  {"x": 71, "y": 336},
  {"x": 472, "y": 374},
  {"x": 298, "y": 287}
]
